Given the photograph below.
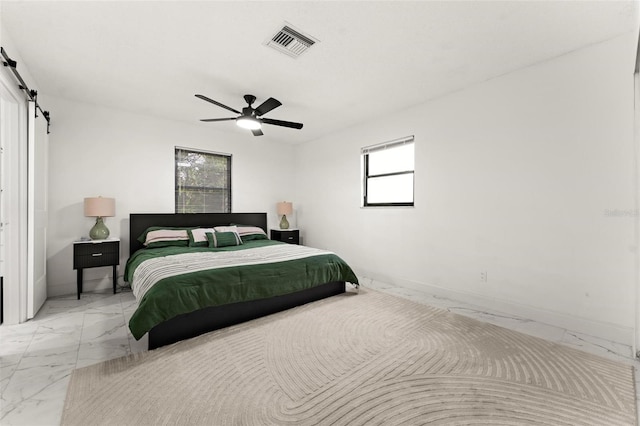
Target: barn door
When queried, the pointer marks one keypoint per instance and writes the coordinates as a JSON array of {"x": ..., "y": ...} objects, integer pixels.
[{"x": 37, "y": 211}]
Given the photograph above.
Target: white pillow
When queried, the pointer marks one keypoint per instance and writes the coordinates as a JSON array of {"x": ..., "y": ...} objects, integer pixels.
[
  {"x": 231, "y": 228},
  {"x": 200, "y": 234}
]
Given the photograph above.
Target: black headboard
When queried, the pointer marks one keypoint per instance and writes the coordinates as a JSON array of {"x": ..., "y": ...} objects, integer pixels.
[{"x": 139, "y": 222}]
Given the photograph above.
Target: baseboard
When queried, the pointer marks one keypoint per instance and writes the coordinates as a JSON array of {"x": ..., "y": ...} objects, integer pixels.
[
  {"x": 88, "y": 286},
  {"x": 602, "y": 330}
]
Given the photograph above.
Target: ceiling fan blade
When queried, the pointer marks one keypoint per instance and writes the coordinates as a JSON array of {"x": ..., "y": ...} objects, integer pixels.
[
  {"x": 257, "y": 132},
  {"x": 267, "y": 106},
  {"x": 290, "y": 124},
  {"x": 204, "y": 98},
  {"x": 218, "y": 119}
]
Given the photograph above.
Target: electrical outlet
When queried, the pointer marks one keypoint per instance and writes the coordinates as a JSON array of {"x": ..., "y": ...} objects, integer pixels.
[{"x": 483, "y": 276}]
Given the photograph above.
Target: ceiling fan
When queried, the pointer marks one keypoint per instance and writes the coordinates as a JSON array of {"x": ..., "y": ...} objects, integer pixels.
[{"x": 251, "y": 118}]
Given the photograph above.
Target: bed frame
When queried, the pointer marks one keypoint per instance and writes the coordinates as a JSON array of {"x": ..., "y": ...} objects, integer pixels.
[{"x": 204, "y": 320}]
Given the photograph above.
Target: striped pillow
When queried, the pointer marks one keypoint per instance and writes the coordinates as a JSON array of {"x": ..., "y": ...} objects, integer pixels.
[
  {"x": 223, "y": 239},
  {"x": 166, "y": 237},
  {"x": 249, "y": 233}
]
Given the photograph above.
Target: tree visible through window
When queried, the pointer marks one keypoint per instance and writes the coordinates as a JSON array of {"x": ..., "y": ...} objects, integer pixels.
[
  {"x": 203, "y": 182},
  {"x": 388, "y": 170}
]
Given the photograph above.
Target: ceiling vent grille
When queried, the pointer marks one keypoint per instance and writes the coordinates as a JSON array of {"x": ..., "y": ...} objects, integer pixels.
[{"x": 291, "y": 42}]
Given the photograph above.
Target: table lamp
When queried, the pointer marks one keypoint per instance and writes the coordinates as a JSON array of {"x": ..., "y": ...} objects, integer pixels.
[
  {"x": 284, "y": 208},
  {"x": 99, "y": 207}
]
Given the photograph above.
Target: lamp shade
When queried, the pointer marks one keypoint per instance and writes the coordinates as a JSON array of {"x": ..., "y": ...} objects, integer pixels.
[
  {"x": 285, "y": 208},
  {"x": 99, "y": 207}
]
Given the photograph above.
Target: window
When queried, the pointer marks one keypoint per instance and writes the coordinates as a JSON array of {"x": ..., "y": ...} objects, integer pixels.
[
  {"x": 203, "y": 182},
  {"x": 388, "y": 173}
]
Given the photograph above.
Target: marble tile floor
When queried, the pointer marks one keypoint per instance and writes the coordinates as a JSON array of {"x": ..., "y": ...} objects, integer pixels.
[{"x": 37, "y": 357}]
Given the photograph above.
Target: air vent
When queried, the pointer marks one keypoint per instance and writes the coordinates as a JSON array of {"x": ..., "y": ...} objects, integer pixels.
[{"x": 291, "y": 42}]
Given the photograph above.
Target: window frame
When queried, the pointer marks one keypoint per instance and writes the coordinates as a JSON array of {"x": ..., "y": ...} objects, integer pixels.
[
  {"x": 228, "y": 188},
  {"x": 364, "y": 153}
]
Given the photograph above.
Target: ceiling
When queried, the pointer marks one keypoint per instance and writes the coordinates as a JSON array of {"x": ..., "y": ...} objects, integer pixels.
[{"x": 372, "y": 58}]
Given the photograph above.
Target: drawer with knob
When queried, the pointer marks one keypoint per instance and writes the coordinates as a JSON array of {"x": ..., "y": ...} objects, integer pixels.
[
  {"x": 92, "y": 254},
  {"x": 291, "y": 236}
]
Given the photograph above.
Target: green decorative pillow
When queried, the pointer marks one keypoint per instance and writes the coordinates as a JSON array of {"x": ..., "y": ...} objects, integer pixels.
[
  {"x": 223, "y": 239},
  {"x": 253, "y": 237},
  {"x": 178, "y": 243}
]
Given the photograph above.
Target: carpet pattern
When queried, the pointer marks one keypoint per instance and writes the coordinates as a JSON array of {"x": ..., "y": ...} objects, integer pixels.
[{"x": 363, "y": 359}]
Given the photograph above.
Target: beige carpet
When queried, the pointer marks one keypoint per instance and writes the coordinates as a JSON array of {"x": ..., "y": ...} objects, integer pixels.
[{"x": 354, "y": 359}]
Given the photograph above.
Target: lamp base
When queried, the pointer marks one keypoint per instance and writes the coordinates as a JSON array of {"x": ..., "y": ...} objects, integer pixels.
[
  {"x": 284, "y": 223},
  {"x": 99, "y": 230}
]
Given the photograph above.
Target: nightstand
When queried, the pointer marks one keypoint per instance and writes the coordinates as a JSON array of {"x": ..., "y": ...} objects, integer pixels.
[
  {"x": 291, "y": 236},
  {"x": 95, "y": 253}
]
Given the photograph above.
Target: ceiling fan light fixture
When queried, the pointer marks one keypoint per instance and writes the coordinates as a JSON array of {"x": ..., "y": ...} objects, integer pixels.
[
  {"x": 250, "y": 123},
  {"x": 251, "y": 118}
]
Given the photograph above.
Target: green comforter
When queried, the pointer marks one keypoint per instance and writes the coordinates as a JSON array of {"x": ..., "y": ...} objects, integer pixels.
[{"x": 188, "y": 291}]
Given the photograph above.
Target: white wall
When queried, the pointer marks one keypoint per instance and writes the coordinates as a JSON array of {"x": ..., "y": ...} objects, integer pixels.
[
  {"x": 114, "y": 153},
  {"x": 515, "y": 177}
]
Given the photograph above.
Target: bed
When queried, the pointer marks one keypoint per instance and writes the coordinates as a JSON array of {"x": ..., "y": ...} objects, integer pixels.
[{"x": 253, "y": 278}]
